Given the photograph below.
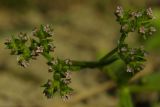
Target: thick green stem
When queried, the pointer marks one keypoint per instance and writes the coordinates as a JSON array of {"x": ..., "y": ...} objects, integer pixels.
[
  {"x": 94, "y": 64},
  {"x": 106, "y": 60},
  {"x": 87, "y": 64},
  {"x": 109, "y": 54}
]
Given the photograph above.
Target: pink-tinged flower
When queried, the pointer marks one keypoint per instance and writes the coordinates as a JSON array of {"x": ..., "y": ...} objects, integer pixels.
[
  {"x": 152, "y": 29},
  {"x": 125, "y": 28},
  {"x": 54, "y": 62},
  {"x": 39, "y": 49},
  {"x": 67, "y": 77},
  {"x": 8, "y": 41},
  {"x": 66, "y": 97},
  {"x": 136, "y": 14},
  {"x": 123, "y": 49},
  {"x": 149, "y": 13},
  {"x": 48, "y": 29},
  {"x": 68, "y": 62},
  {"x": 142, "y": 30},
  {"x": 119, "y": 11},
  {"x": 50, "y": 69},
  {"x": 51, "y": 47},
  {"x": 23, "y": 36},
  {"x": 34, "y": 31},
  {"x": 129, "y": 69}
]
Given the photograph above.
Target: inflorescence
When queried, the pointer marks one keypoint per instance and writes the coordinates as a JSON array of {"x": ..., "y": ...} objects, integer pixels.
[
  {"x": 40, "y": 42},
  {"x": 134, "y": 21}
]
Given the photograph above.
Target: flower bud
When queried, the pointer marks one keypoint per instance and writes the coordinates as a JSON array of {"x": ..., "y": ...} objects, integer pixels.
[
  {"x": 132, "y": 51},
  {"x": 23, "y": 63},
  {"x": 68, "y": 62},
  {"x": 149, "y": 13},
  {"x": 67, "y": 77},
  {"x": 50, "y": 69},
  {"x": 67, "y": 74},
  {"x": 54, "y": 62},
  {"x": 23, "y": 36},
  {"x": 51, "y": 47},
  {"x": 152, "y": 29},
  {"x": 34, "y": 54},
  {"x": 142, "y": 30},
  {"x": 66, "y": 81},
  {"x": 8, "y": 41},
  {"x": 66, "y": 97},
  {"x": 39, "y": 49},
  {"x": 34, "y": 31},
  {"x": 123, "y": 49},
  {"x": 125, "y": 28},
  {"x": 119, "y": 12},
  {"x": 129, "y": 69},
  {"x": 48, "y": 30},
  {"x": 136, "y": 14},
  {"x": 49, "y": 83}
]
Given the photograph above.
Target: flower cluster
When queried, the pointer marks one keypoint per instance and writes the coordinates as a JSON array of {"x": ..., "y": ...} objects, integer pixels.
[
  {"x": 146, "y": 31},
  {"x": 40, "y": 43},
  {"x": 61, "y": 79},
  {"x": 133, "y": 57},
  {"x": 134, "y": 21},
  {"x": 18, "y": 47},
  {"x": 139, "y": 21},
  {"x": 25, "y": 52}
]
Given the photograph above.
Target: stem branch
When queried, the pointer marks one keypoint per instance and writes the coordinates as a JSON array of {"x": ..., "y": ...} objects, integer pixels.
[{"x": 94, "y": 64}]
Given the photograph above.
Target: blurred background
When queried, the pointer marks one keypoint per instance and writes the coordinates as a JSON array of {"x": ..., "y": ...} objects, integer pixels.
[{"x": 84, "y": 30}]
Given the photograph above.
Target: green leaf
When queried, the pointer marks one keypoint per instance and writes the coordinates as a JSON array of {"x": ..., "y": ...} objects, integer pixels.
[{"x": 125, "y": 99}]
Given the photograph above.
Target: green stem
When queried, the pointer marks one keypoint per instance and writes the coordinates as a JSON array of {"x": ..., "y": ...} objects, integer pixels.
[
  {"x": 106, "y": 60},
  {"x": 125, "y": 97},
  {"x": 87, "y": 64},
  {"x": 122, "y": 38},
  {"x": 109, "y": 54},
  {"x": 94, "y": 64}
]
